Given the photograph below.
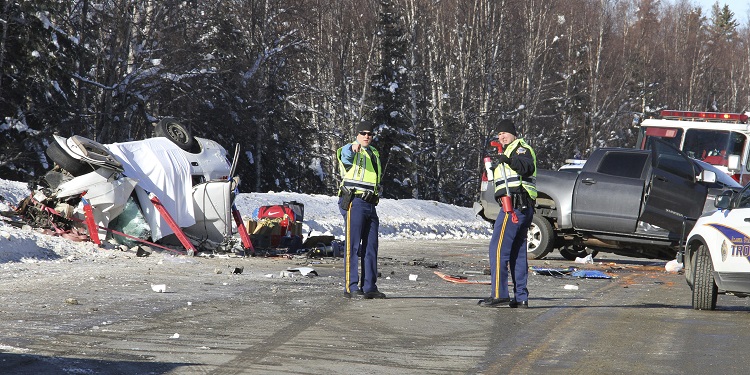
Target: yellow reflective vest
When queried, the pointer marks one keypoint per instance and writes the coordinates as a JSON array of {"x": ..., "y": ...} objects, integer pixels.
[
  {"x": 365, "y": 171},
  {"x": 512, "y": 179}
]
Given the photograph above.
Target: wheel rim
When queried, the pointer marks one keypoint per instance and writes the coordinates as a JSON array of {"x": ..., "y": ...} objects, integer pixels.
[
  {"x": 533, "y": 238},
  {"x": 177, "y": 133}
]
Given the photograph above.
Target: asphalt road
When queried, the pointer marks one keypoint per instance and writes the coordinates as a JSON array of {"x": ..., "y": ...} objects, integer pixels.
[{"x": 102, "y": 317}]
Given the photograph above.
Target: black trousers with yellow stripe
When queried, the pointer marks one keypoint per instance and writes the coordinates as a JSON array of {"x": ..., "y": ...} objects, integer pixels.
[
  {"x": 508, "y": 250},
  {"x": 361, "y": 227}
]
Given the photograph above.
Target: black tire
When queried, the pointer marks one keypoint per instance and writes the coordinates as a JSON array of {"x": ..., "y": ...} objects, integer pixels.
[
  {"x": 540, "y": 239},
  {"x": 70, "y": 164},
  {"x": 705, "y": 291},
  {"x": 690, "y": 268},
  {"x": 176, "y": 132}
]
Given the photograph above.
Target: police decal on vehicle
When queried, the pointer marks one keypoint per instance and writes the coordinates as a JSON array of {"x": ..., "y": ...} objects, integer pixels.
[{"x": 740, "y": 241}]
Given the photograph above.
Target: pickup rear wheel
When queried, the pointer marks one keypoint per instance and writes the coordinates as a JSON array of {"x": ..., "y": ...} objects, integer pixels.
[
  {"x": 705, "y": 290},
  {"x": 540, "y": 238}
]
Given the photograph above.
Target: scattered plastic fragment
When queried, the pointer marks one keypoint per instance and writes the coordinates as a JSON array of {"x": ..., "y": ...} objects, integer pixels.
[
  {"x": 304, "y": 271},
  {"x": 159, "y": 288},
  {"x": 459, "y": 279},
  {"x": 588, "y": 259},
  {"x": 546, "y": 271},
  {"x": 673, "y": 266},
  {"x": 141, "y": 252},
  {"x": 570, "y": 287},
  {"x": 413, "y": 277},
  {"x": 238, "y": 270},
  {"x": 175, "y": 336}
]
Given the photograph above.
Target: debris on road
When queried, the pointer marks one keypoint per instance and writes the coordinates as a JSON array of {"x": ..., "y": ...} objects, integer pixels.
[
  {"x": 304, "y": 271},
  {"x": 458, "y": 279},
  {"x": 546, "y": 271},
  {"x": 590, "y": 274},
  {"x": 673, "y": 266},
  {"x": 570, "y": 272},
  {"x": 141, "y": 251},
  {"x": 159, "y": 288}
]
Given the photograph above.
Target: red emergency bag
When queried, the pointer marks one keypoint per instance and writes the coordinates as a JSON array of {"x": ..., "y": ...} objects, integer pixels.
[{"x": 288, "y": 212}]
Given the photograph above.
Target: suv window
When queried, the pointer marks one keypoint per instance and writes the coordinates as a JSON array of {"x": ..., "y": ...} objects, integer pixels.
[
  {"x": 623, "y": 164},
  {"x": 673, "y": 161},
  {"x": 744, "y": 201}
]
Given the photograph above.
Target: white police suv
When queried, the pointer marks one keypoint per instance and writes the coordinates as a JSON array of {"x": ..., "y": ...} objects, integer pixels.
[{"x": 717, "y": 250}]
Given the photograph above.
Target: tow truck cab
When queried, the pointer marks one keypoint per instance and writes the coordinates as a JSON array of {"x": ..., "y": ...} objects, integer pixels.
[{"x": 720, "y": 139}]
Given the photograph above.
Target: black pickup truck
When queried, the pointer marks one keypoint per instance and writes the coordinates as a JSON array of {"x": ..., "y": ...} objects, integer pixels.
[{"x": 626, "y": 201}]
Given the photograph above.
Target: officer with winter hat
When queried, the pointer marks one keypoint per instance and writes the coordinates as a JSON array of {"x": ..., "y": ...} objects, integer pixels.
[
  {"x": 359, "y": 193},
  {"x": 515, "y": 189}
]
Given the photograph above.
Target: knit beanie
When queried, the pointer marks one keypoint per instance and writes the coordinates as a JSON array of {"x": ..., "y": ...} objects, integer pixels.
[{"x": 507, "y": 126}]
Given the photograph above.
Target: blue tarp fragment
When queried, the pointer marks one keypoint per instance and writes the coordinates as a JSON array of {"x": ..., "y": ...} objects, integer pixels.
[{"x": 590, "y": 274}]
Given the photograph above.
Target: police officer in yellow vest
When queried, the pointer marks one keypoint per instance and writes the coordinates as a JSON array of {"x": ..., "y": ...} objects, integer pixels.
[
  {"x": 360, "y": 168},
  {"x": 516, "y": 173}
]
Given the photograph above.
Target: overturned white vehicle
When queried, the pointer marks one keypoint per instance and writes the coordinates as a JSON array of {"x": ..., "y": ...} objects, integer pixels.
[{"x": 174, "y": 189}]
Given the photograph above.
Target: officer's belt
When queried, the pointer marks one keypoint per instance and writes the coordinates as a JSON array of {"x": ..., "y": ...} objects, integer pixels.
[{"x": 359, "y": 186}]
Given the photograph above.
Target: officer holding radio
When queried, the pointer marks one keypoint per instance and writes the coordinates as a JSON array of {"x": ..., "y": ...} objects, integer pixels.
[
  {"x": 360, "y": 168},
  {"x": 515, "y": 189}
]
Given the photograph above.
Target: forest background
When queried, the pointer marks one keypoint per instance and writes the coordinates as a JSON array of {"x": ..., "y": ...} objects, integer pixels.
[{"x": 288, "y": 80}]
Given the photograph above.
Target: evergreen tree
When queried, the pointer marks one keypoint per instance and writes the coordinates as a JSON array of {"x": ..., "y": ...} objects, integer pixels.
[
  {"x": 724, "y": 26},
  {"x": 722, "y": 35},
  {"x": 36, "y": 57},
  {"x": 389, "y": 102}
]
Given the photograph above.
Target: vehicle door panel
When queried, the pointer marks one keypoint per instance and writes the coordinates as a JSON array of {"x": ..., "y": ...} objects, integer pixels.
[
  {"x": 608, "y": 200},
  {"x": 673, "y": 192}
]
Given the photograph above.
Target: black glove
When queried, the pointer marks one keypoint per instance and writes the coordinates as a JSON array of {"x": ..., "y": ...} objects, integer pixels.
[{"x": 503, "y": 159}]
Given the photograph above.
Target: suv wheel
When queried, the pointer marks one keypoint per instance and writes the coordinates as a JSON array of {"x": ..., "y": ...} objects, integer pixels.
[
  {"x": 175, "y": 132},
  {"x": 705, "y": 290},
  {"x": 540, "y": 238},
  {"x": 72, "y": 165}
]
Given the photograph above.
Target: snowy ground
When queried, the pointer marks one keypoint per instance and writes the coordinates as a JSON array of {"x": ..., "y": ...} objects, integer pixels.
[{"x": 399, "y": 219}]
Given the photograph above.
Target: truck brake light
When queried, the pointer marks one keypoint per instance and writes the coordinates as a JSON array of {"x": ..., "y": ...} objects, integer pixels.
[{"x": 710, "y": 116}]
